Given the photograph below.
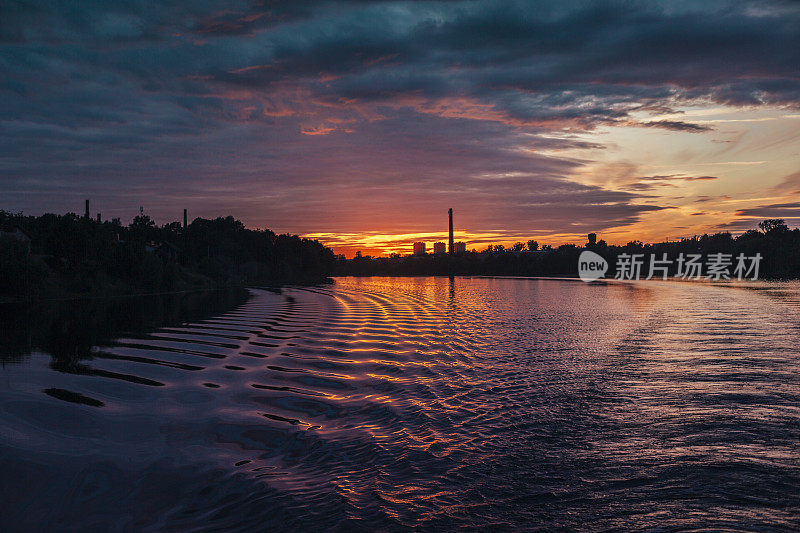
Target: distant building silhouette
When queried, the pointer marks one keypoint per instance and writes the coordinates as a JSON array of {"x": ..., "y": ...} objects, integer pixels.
[
  {"x": 592, "y": 239},
  {"x": 184, "y": 219},
  {"x": 439, "y": 248},
  {"x": 459, "y": 247},
  {"x": 450, "y": 240},
  {"x": 86, "y": 214},
  {"x": 419, "y": 248}
]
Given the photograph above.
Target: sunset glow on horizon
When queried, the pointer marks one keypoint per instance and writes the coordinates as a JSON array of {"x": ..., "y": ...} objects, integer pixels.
[
  {"x": 360, "y": 124},
  {"x": 710, "y": 186}
]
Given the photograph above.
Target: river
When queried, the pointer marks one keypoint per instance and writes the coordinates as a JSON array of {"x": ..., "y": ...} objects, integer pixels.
[{"x": 384, "y": 404}]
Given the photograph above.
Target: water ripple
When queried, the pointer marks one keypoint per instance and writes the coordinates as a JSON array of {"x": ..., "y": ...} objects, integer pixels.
[{"x": 427, "y": 403}]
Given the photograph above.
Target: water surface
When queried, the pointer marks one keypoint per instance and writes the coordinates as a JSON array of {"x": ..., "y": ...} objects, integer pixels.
[{"x": 397, "y": 403}]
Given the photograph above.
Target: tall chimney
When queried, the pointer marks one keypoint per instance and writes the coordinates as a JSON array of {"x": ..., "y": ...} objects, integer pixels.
[
  {"x": 98, "y": 218},
  {"x": 184, "y": 219},
  {"x": 450, "y": 241},
  {"x": 86, "y": 215}
]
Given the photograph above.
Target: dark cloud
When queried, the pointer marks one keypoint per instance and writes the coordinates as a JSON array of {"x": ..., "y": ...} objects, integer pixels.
[
  {"x": 328, "y": 184},
  {"x": 790, "y": 183},
  {"x": 785, "y": 210},
  {"x": 644, "y": 183},
  {"x": 315, "y": 115},
  {"x": 702, "y": 199},
  {"x": 675, "y": 125},
  {"x": 677, "y": 177},
  {"x": 563, "y": 61}
]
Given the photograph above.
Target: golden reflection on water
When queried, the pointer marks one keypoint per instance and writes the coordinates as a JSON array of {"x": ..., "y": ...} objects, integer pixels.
[{"x": 447, "y": 402}]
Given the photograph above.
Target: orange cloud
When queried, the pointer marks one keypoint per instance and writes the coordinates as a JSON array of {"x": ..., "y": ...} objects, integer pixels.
[{"x": 316, "y": 130}]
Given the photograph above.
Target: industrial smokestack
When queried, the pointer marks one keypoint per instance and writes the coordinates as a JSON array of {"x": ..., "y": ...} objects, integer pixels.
[
  {"x": 184, "y": 219},
  {"x": 450, "y": 241},
  {"x": 86, "y": 215}
]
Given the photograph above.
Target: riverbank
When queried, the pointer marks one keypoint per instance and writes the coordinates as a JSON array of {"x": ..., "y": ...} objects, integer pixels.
[{"x": 66, "y": 256}]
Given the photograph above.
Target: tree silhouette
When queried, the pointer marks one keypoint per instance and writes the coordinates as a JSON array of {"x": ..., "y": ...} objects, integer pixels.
[
  {"x": 778, "y": 245},
  {"x": 773, "y": 224},
  {"x": 74, "y": 255}
]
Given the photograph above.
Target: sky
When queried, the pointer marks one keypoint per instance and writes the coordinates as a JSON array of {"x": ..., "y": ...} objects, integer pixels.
[{"x": 361, "y": 122}]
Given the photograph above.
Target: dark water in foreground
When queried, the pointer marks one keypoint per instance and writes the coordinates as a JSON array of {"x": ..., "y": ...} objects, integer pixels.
[{"x": 384, "y": 404}]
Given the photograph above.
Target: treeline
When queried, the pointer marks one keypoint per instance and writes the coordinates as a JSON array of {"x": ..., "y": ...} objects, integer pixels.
[
  {"x": 778, "y": 246},
  {"x": 66, "y": 254}
]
